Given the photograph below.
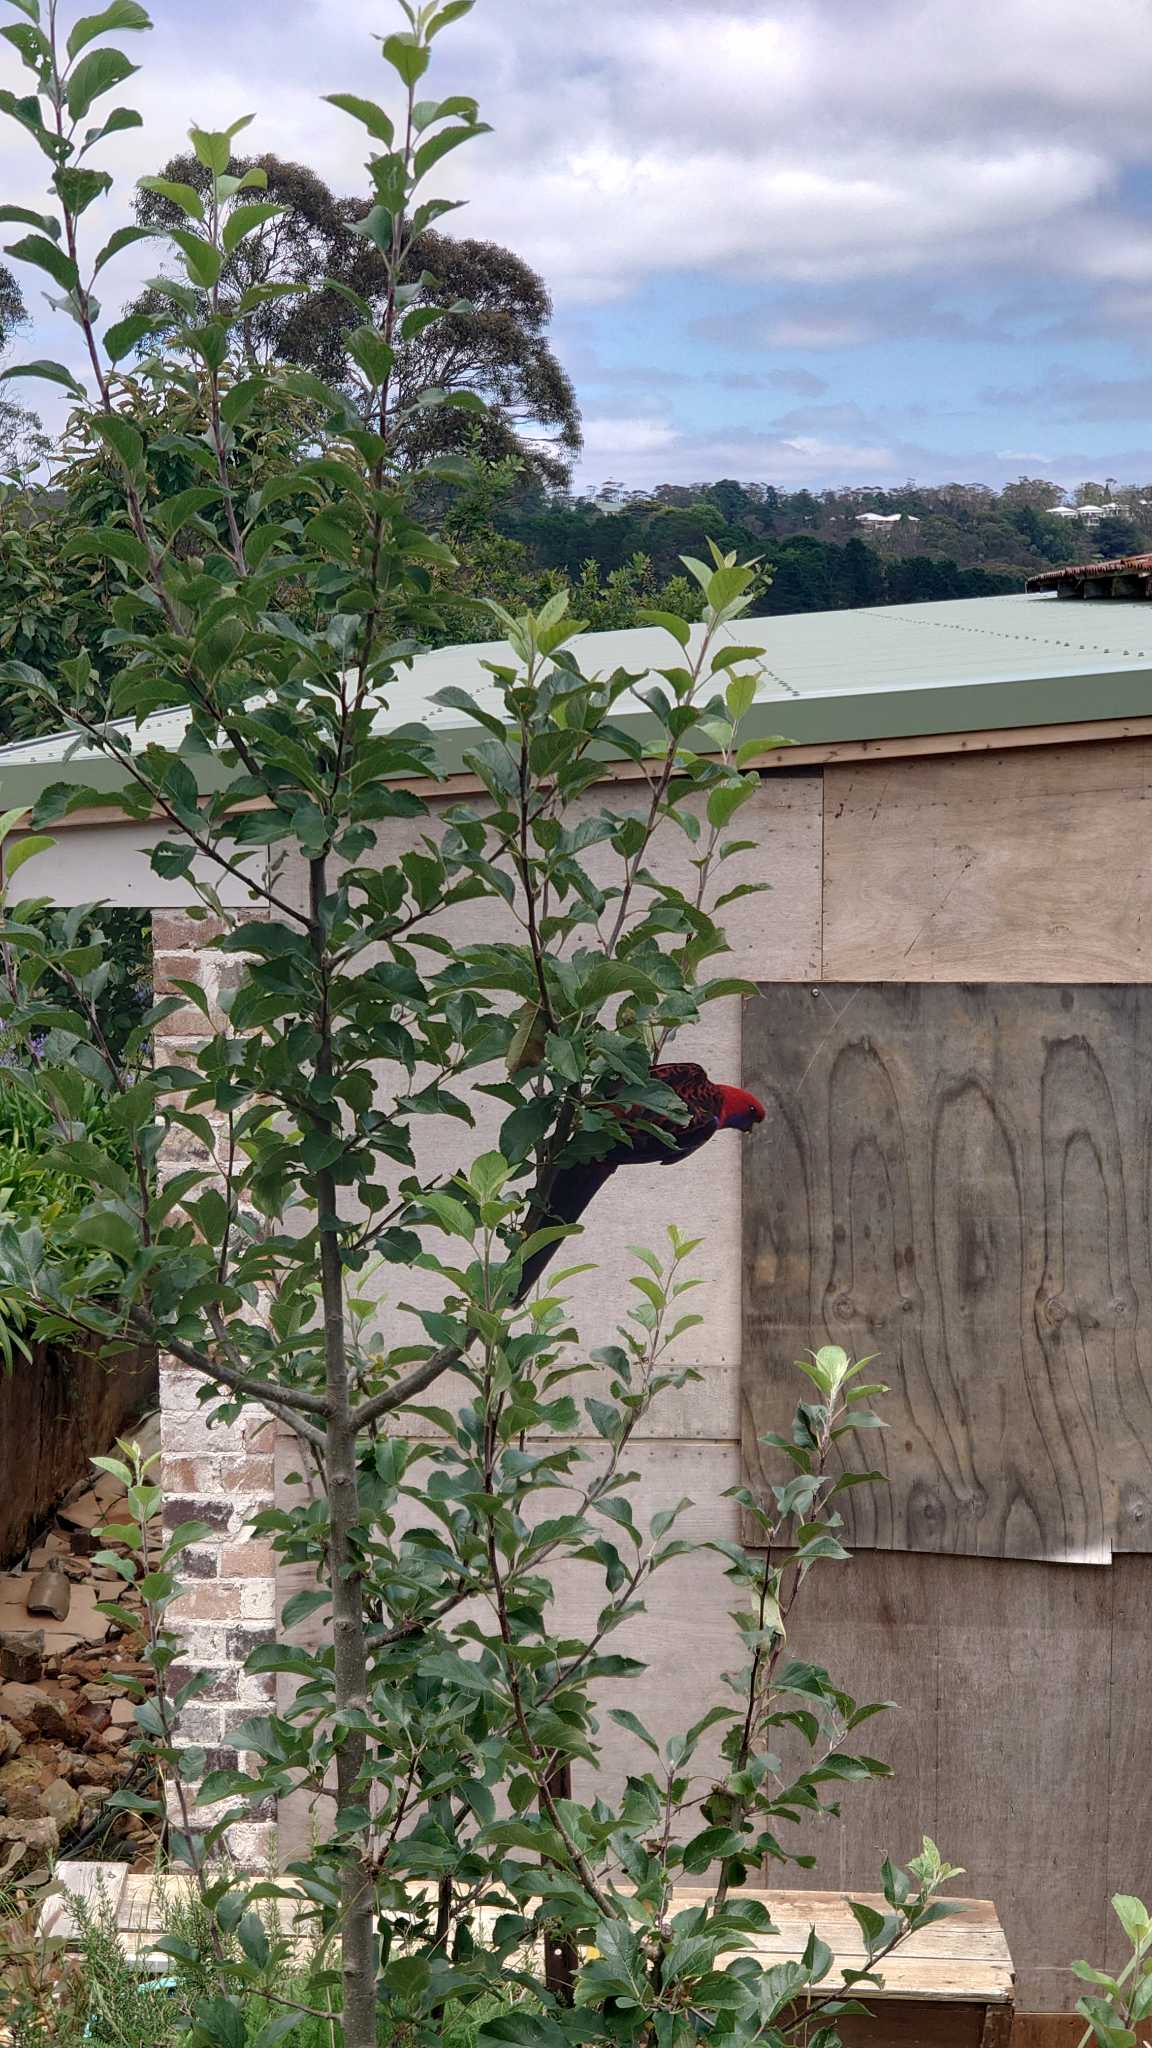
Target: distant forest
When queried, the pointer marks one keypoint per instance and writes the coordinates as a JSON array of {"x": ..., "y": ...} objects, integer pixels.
[{"x": 833, "y": 550}]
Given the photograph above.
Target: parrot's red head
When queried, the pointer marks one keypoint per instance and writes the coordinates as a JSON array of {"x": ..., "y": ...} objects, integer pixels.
[{"x": 741, "y": 1110}]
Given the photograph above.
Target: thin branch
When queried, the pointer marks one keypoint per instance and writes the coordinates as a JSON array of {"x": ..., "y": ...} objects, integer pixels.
[
  {"x": 214, "y": 1368},
  {"x": 204, "y": 845}
]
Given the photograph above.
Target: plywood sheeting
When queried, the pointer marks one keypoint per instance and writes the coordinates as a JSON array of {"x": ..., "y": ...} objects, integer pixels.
[
  {"x": 1018, "y": 866},
  {"x": 956, "y": 1179},
  {"x": 1013, "y": 1740}
]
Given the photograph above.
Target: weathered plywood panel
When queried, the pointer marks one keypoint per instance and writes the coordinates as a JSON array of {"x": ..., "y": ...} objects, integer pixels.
[
  {"x": 1022, "y": 1795},
  {"x": 999, "y": 1741},
  {"x": 1129, "y": 1677},
  {"x": 956, "y": 1179},
  {"x": 1016, "y": 866},
  {"x": 874, "y": 1626}
]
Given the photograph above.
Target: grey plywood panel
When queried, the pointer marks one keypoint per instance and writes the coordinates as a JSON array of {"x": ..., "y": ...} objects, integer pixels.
[
  {"x": 999, "y": 1740},
  {"x": 873, "y": 1624},
  {"x": 1023, "y": 1786},
  {"x": 1129, "y": 1744},
  {"x": 956, "y": 1178}
]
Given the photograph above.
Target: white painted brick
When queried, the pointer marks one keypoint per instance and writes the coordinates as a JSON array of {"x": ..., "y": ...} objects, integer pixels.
[
  {"x": 204, "y": 1644},
  {"x": 257, "y": 1598}
]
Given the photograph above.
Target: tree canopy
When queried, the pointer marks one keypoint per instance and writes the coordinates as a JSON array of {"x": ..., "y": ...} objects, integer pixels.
[
  {"x": 491, "y": 337},
  {"x": 20, "y": 442}
]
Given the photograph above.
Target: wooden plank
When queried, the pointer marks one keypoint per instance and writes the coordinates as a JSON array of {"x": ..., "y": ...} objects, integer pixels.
[
  {"x": 99, "y": 1886},
  {"x": 1129, "y": 1747},
  {"x": 1046, "y": 2030},
  {"x": 954, "y": 1179},
  {"x": 958, "y": 1961},
  {"x": 908, "y": 746},
  {"x": 1022, "y": 1799},
  {"x": 991, "y": 867},
  {"x": 908, "y": 2025},
  {"x": 873, "y": 1624}
]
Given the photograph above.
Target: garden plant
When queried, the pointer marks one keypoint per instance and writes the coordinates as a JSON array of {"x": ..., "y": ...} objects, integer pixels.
[{"x": 450, "y": 1724}]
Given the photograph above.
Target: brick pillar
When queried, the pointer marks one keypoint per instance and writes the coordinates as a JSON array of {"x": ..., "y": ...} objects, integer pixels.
[{"x": 214, "y": 1474}]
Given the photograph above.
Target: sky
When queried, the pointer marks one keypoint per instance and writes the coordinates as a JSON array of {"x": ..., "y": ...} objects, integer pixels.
[{"x": 805, "y": 242}]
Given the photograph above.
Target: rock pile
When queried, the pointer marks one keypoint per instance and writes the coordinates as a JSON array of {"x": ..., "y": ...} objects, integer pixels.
[{"x": 65, "y": 1729}]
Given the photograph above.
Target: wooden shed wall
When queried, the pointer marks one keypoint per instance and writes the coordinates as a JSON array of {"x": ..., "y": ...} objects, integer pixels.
[{"x": 1023, "y": 1687}]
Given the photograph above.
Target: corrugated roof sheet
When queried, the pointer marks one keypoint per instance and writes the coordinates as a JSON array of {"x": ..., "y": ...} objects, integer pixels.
[
  {"x": 1090, "y": 572},
  {"x": 964, "y": 665}
]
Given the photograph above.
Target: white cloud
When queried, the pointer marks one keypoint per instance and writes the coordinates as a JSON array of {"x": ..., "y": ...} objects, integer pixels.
[
  {"x": 873, "y": 146},
  {"x": 622, "y": 449},
  {"x": 617, "y": 438},
  {"x": 801, "y": 139}
]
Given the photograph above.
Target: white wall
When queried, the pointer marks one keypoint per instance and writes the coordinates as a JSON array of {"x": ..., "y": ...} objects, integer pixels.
[{"x": 109, "y": 863}]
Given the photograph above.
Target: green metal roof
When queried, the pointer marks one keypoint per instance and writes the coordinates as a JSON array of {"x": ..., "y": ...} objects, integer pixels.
[{"x": 893, "y": 671}]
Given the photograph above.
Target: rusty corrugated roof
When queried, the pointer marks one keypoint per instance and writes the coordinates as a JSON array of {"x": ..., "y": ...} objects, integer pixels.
[{"x": 1080, "y": 572}]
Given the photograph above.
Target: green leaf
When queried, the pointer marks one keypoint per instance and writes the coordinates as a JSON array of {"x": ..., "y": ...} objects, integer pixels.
[
  {"x": 301, "y": 1605},
  {"x": 112, "y": 542},
  {"x": 282, "y": 1657},
  {"x": 222, "y": 2022},
  {"x": 214, "y": 147},
  {"x": 454, "y": 10},
  {"x": 725, "y": 800},
  {"x": 378, "y": 227},
  {"x": 125, "y": 442},
  {"x": 46, "y": 255},
  {"x": 79, "y": 189},
  {"x": 122, "y": 337},
  {"x": 430, "y": 152},
  {"x": 46, "y": 222},
  {"x": 116, "y": 122},
  {"x": 53, "y": 373},
  {"x": 204, "y": 262},
  {"x": 122, "y": 239},
  {"x": 176, "y": 512},
  {"x": 669, "y": 621},
  {"x": 1133, "y": 1916},
  {"x": 185, "y": 197},
  {"x": 26, "y": 849},
  {"x": 628, "y": 1720},
  {"x": 86, "y": 1159},
  {"x": 305, "y": 385},
  {"x": 121, "y": 14},
  {"x": 95, "y": 75},
  {"x": 371, "y": 353},
  {"x": 254, "y": 1941},
  {"x": 740, "y": 696},
  {"x": 244, "y": 219},
  {"x": 185, "y": 1534},
  {"x": 408, "y": 58},
  {"x": 108, "y": 1231},
  {"x": 373, "y": 117},
  {"x": 32, "y": 43},
  {"x": 115, "y": 1467},
  {"x": 277, "y": 2030}
]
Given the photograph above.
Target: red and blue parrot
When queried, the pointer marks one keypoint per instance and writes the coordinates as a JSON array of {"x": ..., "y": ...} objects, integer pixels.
[{"x": 648, "y": 1138}]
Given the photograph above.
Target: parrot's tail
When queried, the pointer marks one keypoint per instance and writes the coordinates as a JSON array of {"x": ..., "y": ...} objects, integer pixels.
[{"x": 573, "y": 1189}]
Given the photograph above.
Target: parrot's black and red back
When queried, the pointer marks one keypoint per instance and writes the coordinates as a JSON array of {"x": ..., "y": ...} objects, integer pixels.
[{"x": 648, "y": 1138}]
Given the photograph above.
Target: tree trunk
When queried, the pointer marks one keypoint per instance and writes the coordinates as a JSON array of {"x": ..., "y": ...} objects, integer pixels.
[
  {"x": 358, "y": 1934},
  {"x": 561, "y": 1955}
]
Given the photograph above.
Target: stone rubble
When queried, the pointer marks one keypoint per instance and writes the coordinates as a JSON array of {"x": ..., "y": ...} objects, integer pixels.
[{"x": 65, "y": 1729}]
